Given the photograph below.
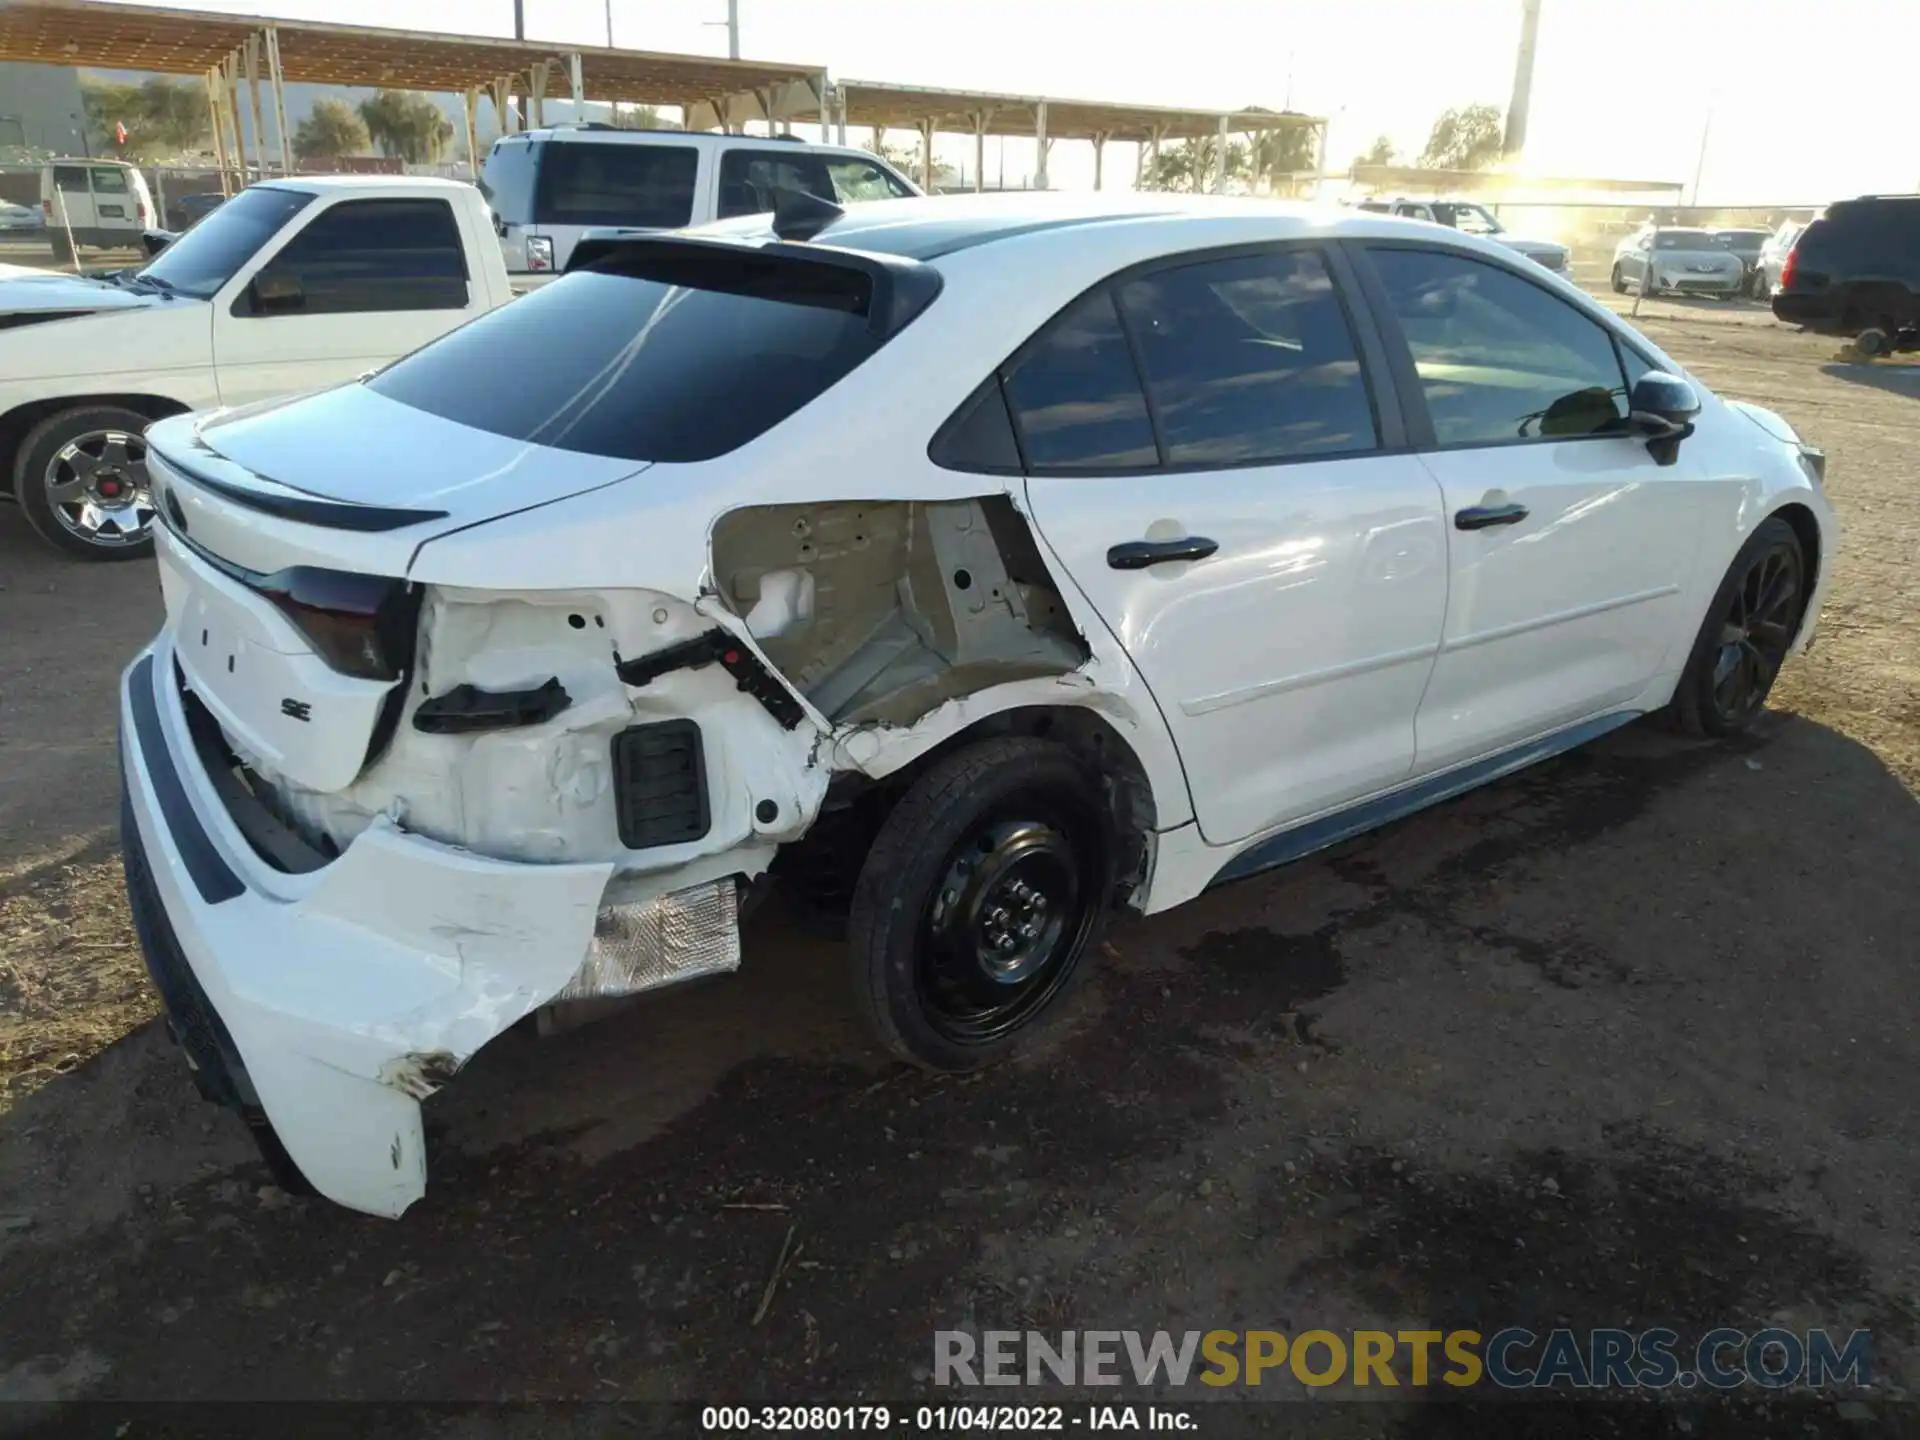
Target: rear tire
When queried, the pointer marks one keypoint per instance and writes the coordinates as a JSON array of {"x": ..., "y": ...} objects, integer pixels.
[
  {"x": 1872, "y": 342},
  {"x": 62, "y": 251},
  {"x": 1737, "y": 654},
  {"x": 985, "y": 888}
]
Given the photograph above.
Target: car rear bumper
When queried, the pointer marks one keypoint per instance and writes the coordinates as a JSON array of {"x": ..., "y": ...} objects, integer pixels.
[
  {"x": 330, "y": 1002},
  {"x": 1815, "y": 311}
]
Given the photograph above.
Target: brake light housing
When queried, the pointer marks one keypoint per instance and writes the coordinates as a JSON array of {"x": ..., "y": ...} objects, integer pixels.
[
  {"x": 1788, "y": 266},
  {"x": 361, "y": 625}
]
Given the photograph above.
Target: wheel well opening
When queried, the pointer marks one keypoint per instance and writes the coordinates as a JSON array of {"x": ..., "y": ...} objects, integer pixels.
[
  {"x": 1807, "y": 530},
  {"x": 15, "y": 424},
  {"x": 823, "y": 866}
]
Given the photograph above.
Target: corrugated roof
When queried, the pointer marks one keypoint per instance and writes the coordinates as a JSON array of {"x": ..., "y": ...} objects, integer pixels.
[{"x": 907, "y": 106}]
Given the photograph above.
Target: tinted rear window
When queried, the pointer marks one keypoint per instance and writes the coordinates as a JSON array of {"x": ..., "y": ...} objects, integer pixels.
[
  {"x": 507, "y": 180},
  {"x": 607, "y": 364},
  {"x": 645, "y": 186}
]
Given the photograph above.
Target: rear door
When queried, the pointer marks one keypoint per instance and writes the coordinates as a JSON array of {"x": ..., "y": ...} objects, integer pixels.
[
  {"x": 362, "y": 282},
  {"x": 116, "y": 206},
  {"x": 73, "y": 201},
  {"x": 1238, "y": 508},
  {"x": 1570, "y": 547}
]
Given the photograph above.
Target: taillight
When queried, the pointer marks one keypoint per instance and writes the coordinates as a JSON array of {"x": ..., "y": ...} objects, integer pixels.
[
  {"x": 1787, "y": 267},
  {"x": 46, "y": 208},
  {"x": 361, "y": 625},
  {"x": 140, "y": 211},
  {"x": 539, "y": 252}
]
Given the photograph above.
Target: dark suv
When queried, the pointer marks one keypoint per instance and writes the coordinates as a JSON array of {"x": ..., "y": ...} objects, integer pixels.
[{"x": 1856, "y": 272}]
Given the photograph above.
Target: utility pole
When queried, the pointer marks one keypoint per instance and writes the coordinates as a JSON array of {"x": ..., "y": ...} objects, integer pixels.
[
  {"x": 1518, "y": 105},
  {"x": 520, "y": 33},
  {"x": 733, "y": 29},
  {"x": 1700, "y": 162}
]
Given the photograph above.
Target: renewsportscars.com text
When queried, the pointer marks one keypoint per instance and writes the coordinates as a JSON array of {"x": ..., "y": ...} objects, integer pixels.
[{"x": 1512, "y": 1359}]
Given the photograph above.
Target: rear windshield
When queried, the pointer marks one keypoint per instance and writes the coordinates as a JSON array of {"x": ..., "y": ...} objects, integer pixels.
[
  {"x": 1684, "y": 240},
  {"x": 609, "y": 364},
  {"x": 644, "y": 186},
  {"x": 507, "y": 180}
]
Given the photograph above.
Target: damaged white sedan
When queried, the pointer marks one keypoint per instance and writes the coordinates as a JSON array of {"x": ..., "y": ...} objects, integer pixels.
[{"x": 971, "y": 567}]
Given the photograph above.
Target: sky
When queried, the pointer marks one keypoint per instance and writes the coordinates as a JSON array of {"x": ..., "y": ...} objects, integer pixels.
[{"x": 1765, "y": 97}]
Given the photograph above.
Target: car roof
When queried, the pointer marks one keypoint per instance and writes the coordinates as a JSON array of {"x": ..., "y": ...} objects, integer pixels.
[
  {"x": 601, "y": 134},
  {"x": 320, "y": 184},
  {"x": 928, "y": 227}
]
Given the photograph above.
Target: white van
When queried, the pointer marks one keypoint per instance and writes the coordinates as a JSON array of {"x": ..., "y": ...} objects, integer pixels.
[
  {"x": 94, "y": 204},
  {"x": 548, "y": 187}
]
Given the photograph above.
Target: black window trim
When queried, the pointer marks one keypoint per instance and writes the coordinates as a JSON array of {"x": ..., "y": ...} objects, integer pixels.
[
  {"x": 1390, "y": 424},
  {"x": 1406, "y": 376}
]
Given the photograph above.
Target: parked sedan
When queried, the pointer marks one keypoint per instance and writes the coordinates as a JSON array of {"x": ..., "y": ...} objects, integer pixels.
[
  {"x": 1685, "y": 262},
  {"x": 1773, "y": 258},
  {"x": 20, "y": 219},
  {"x": 1181, "y": 539}
]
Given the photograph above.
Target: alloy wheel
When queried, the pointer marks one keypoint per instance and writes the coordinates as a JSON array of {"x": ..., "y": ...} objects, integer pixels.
[
  {"x": 1755, "y": 633},
  {"x": 97, "y": 488}
]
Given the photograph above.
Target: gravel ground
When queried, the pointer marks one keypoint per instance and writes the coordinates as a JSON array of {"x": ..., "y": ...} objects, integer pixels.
[{"x": 1628, "y": 1039}]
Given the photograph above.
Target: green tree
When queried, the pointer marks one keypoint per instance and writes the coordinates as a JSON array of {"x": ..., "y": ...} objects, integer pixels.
[
  {"x": 1381, "y": 152},
  {"x": 161, "y": 116},
  {"x": 331, "y": 130},
  {"x": 643, "y": 117},
  {"x": 1275, "y": 155},
  {"x": 906, "y": 159},
  {"x": 1187, "y": 165},
  {"x": 1468, "y": 137},
  {"x": 407, "y": 125}
]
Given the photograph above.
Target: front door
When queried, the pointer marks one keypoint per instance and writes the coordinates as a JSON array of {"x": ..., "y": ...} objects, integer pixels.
[
  {"x": 1569, "y": 543},
  {"x": 362, "y": 282},
  {"x": 1278, "y": 581}
]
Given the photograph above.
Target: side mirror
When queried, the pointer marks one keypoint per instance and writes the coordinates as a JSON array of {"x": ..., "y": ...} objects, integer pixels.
[
  {"x": 276, "y": 292},
  {"x": 1662, "y": 408}
]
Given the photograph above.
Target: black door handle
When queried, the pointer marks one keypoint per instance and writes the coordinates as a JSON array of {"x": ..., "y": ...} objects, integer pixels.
[
  {"x": 1482, "y": 517},
  {"x": 1139, "y": 554}
]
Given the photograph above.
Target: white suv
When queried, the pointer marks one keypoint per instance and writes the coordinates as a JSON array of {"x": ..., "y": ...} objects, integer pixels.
[
  {"x": 973, "y": 566},
  {"x": 549, "y": 187}
]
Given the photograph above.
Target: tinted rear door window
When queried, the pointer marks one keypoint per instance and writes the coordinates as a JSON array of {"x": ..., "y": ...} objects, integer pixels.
[
  {"x": 647, "y": 371},
  {"x": 644, "y": 186},
  {"x": 378, "y": 255},
  {"x": 1076, "y": 396},
  {"x": 1249, "y": 359}
]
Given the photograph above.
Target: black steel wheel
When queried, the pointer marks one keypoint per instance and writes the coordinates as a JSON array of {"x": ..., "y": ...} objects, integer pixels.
[
  {"x": 1748, "y": 630},
  {"x": 978, "y": 902}
]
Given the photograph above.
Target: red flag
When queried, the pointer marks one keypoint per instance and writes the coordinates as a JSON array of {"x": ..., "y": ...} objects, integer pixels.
[{"x": 120, "y": 132}]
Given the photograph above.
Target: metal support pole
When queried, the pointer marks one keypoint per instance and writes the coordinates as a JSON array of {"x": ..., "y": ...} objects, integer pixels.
[
  {"x": 219, "y": 130},
  {"x": 278, "y": 74},
  {"x": 230, "y": 73},
  {"x": 579, "y": 88},
  {"x": 1220, "y": 159},
  {"x": 253, "y": 91},
  {"x": 501, "y": 91},
  {"x": 1153, "y": 153},
  {"x": 519, "y": 33},
  {"x": 926, "y": 156},
  {"x": 1040, "y": 145},
  {"x": 1320, "y": 160},
  {"x": 840, "y": 126},
  {"x": 979, "y": 151},
  {"x": 537, "y": 78},
  {"x": 469, "y": 100},
  {"x": 1099, "y": 158}
]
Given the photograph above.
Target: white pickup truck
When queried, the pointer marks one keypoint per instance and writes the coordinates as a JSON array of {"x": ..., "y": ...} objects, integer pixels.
[{"x": 293, "y": 285}]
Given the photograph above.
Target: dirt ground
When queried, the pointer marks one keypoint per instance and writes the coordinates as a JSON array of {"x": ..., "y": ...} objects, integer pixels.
[{"x": 1629, "y": 1039}]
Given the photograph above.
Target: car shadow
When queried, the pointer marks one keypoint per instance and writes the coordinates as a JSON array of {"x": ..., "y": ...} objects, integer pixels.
[
  {"x": 1896, "y": 377},
  {"x": 1650, "y": 968}
]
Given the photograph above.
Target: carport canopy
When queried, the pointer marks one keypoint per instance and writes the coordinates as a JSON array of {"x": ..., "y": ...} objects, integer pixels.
[
  {"x": 194, "y": 42},
  {"x": 874, "y": 104}
]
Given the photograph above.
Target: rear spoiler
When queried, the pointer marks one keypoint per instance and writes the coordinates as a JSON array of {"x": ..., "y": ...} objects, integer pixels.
[{"x": 890, "y": 290}]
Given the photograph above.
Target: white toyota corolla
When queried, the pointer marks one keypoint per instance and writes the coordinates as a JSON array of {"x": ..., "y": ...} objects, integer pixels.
[{"x": 970, "y": 566}]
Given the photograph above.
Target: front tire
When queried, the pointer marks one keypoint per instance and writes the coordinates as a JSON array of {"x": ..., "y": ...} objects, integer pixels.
[
  {"x": 1749, "y": 626},
  {"x": 978, "y": 902},
  {"x": 1619, "y": 280},
  {"x": 81, "y": 481}
]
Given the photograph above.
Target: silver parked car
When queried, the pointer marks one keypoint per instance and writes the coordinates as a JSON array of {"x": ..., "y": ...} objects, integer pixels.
[
  {"x": 1686, "y": 262},
  {"x": 1773, "y": 257}
]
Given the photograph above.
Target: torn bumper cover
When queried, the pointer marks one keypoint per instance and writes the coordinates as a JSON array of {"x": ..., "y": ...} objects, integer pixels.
[{"x": 337, "y": 1000}]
